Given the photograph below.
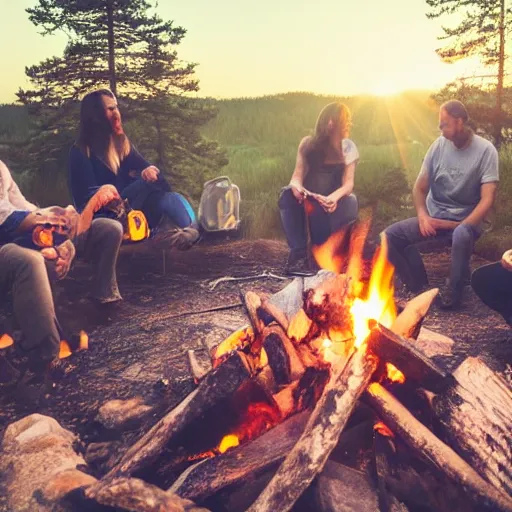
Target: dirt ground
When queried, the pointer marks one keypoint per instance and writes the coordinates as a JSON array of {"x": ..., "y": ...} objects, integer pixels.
[{"x": 141, "y": 349}]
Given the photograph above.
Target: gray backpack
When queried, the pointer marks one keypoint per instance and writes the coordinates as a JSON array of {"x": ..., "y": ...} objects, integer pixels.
[{"x": 219, "y": 208}]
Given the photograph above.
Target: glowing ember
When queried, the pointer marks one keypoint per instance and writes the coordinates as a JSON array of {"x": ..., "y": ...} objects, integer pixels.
[
  {"x": 382, "y": 429},
  {"x": 229, "y": 441},
  {"x": 64, "y": 350},
  {"x": 394, "y": 374},
  {"x": 5, "y": 341}
]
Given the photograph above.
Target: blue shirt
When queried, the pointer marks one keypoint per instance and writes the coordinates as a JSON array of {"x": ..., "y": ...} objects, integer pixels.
[
  {"x": 88, "y": 174},
  {"x": 456, "y": 176}
]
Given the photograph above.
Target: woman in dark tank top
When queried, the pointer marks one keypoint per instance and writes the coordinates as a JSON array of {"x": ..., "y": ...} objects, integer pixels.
[{"x": 324, "y": 178}]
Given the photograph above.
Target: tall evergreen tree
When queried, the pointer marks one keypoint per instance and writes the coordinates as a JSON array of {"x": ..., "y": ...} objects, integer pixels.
[
  {"x": 481, "y": 32},
  {"x": 121, "y": 45}
]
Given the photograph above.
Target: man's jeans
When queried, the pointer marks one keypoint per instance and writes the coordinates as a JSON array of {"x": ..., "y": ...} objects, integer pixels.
[
  {"x": 493, "y": 284},
  {"x": 404, "y": 235},
  {"x": 24, "y": 272},
  {"x": 321, "y": 223}
]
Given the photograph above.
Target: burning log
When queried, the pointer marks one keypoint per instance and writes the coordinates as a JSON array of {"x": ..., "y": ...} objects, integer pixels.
[
  {"x": 282, "y": 356},
  {"x": 138, "y": 496},
  {"x": 252, "y": 303},
  {"x": 476, "y": 417},
  {"x": 207, "y": 477},
  {"x": 218, "y": 384},
  {"x": 408, "y": 322},
  {"x": 432, "y": 449},
  {"x": 402, "y": 354},
  {"x": 321, "y": 434}
]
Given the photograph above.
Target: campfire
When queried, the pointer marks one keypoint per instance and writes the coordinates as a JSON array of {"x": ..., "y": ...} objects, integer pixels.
[{"x": 280, "y": 407}]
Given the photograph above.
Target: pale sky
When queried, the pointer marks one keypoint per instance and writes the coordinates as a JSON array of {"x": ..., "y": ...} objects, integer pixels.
[{"x": 257, "y": 47}]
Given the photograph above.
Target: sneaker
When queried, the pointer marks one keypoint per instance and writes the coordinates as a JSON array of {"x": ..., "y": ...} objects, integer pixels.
[
  {"x": 297, "y": 264},
  {"x": 450, "y": 298},
  {"x": 184, "y": 239}
]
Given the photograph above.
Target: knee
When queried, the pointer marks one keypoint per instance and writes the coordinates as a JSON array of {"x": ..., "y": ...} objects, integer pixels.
[
  {"x": 462, "y": 235},
  {"x": 287, "y": 199},
  {"x": 350, "y": 207},
  {"x": 31, "y": 261},
  {"x": 108, "y": 230}
]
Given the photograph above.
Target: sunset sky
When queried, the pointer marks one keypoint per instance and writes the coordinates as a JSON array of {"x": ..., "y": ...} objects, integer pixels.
[{"x": 252, "y": 48}]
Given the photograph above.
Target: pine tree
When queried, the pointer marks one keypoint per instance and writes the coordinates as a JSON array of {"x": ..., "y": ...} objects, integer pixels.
[
  {"x": 120, "y": 45},
  {"x": 481, "y": 32}
]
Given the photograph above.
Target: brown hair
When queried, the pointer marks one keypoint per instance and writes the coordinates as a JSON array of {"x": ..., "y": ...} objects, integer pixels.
[
  {"x": 334, "y": 115},
  {"x": 95, "y": 133}
]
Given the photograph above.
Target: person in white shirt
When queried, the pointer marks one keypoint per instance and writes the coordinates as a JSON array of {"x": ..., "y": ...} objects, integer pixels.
[{"x": 25, "y": 272}]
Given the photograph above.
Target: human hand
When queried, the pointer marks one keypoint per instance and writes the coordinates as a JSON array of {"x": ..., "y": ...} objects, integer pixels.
[
  {"x": 326, "y": 202},
  {"x": 150, "y": 173},
  {"x": 506, "y": 260},
  {"x": 299, "y": 192},
  {"x": 61, "y": 256},
  {"x": 63, "y": 221},
  {"x": 426, "y": 224}
]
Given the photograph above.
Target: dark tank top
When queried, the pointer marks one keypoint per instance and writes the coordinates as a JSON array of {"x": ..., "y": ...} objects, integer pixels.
[{"x": 322, "y": 178}]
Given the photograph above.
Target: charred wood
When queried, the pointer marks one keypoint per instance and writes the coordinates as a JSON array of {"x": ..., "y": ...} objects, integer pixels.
[
  {"x": 221, "y": 382},
  {"x": 321, "y": 434},
  {"x": 209, "y": 476},
  {"x": 399, "y": 351},
  {"x": 476, "y": 417},
  {"x": 432, "y": 449}
]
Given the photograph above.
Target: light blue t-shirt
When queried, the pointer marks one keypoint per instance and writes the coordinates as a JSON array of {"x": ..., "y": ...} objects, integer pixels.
[{"x": 456, "y": 175}]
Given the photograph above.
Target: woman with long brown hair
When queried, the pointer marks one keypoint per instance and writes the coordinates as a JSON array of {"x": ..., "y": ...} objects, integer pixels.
[
  {"x": 103, "y": 154},
  {"x": 324, "y": 174}
]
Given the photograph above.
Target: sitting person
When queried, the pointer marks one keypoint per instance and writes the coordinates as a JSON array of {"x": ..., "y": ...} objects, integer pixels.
[
  {"x": 493, "y": 285},
  {"x": 25, "y": 271},
  {"x": 104, "y": 155},
  {"x": 324, "y": 175},
  {"x": 453, "y": 194}
]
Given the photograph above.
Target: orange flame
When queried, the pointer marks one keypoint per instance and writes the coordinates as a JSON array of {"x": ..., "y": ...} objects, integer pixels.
[
  {"x": 64, "y": 350},
  {"x": 380, "y": 303},
  {"x": 5, "y": 341},
  {"x": 394, "y": 374},
  {"x": 327, "y": 255},
  {"x": 234, "y": 341},
  {"x": 383, "y": 429},
  {"x": 84, "y": 341}
]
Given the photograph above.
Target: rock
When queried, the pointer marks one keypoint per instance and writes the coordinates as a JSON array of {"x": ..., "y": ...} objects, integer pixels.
[
  {"x": 119, "y": 414},
  {"x": 65, "y": 482},
  {"x": 37, "y": 459},
  {"x": 136, "y": 495}
]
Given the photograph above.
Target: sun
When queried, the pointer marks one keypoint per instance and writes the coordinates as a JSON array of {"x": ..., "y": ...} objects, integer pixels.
[{"x": 386, "y": 88}]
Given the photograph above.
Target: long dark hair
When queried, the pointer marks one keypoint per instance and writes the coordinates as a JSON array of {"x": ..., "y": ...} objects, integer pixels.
[
  {"x": 95, "y": 133},
  {"x": 335, "y": 115}
]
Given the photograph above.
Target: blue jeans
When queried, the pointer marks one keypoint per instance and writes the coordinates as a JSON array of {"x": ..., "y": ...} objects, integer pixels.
[
  {"x": 178, "y": 209},
  {"x": 321, "y": 223},
  {"x": 404, "y": 235}
]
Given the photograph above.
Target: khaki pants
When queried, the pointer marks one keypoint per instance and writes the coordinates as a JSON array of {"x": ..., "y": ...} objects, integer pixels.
[{"x": 24, "y": 272}]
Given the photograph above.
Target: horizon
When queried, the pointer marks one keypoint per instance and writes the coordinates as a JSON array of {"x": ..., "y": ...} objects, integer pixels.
[{"x": 279, "y": 48}]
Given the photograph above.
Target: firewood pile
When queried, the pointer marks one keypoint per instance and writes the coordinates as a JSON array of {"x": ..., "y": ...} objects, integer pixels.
[{"x": 324, "y": 402}]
